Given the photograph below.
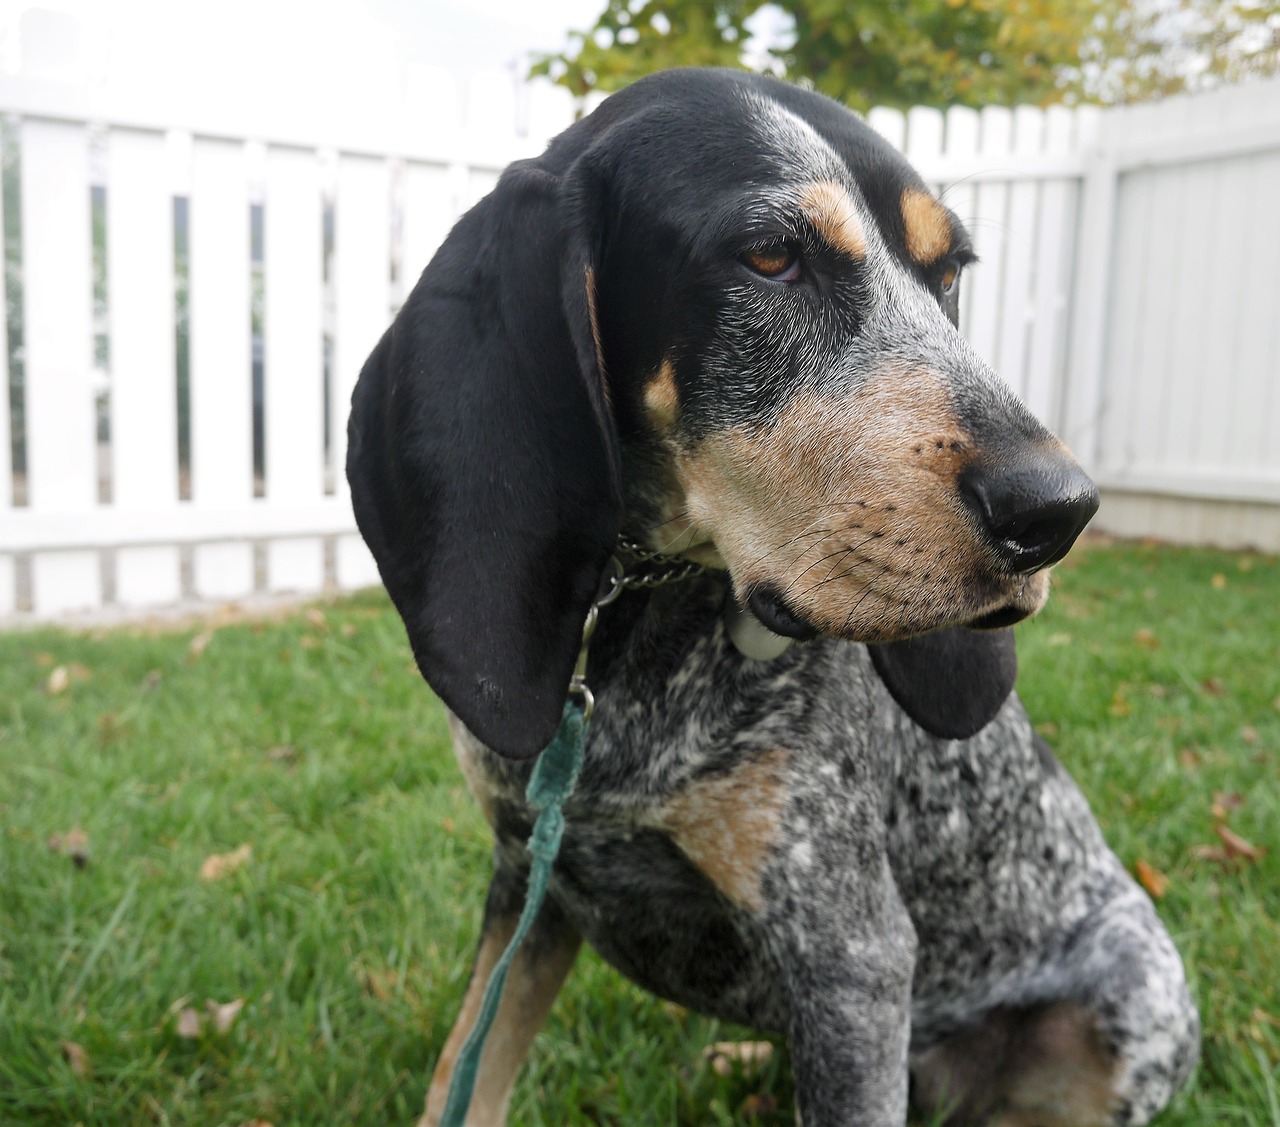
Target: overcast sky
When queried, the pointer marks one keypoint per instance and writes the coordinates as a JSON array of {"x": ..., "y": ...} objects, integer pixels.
[{"x": 156, "y": 39}]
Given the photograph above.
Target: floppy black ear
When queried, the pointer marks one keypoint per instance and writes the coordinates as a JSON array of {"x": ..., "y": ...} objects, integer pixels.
[
  {"x": 951, "y": 682},
  {"x": 483, "y": 462}
]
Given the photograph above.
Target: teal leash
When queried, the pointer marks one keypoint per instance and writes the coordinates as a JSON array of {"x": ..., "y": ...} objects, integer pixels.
[
  {"x": 555, "y": 774},
  {"x": 553, "y": 780}
]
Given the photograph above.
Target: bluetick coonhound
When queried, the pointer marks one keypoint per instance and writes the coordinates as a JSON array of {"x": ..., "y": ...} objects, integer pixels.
[{"x": 717, "y": 318}]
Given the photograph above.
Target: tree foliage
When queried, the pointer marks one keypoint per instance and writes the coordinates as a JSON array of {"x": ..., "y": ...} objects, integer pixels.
[{"x": 936, "y": 52}]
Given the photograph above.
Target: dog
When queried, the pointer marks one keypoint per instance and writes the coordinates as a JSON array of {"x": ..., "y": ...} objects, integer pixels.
[{"x": 711, "y": 335}]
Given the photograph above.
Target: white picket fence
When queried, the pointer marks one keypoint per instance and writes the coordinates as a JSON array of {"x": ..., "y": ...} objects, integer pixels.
[{"x": 1127, "y": 290}]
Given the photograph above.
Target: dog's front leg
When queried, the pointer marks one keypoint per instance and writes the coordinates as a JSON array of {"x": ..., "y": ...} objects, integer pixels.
[
  {"x": 850, "y": 984},
  {"x": 535, "y": 978}
]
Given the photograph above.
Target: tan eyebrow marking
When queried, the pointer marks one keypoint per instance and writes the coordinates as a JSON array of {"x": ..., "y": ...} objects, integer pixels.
[
  {"x": 661, "y": 400},
  {"x": 928, "y": 227},
  {"x": 828, "y": 207}
]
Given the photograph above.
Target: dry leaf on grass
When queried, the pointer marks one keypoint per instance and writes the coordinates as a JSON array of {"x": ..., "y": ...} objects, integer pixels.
[
  {"x": 222, "y": 1015},
  {"x": 1236, "y": 846},
  {"x": 63, "y": 676},
  {"x": 747, "y": 1056},
  {"x": 1214, "y": 687},
  {"x": 77, "y": 1059},
  {"x": 1218, "y": 582},
  {"x": 199, "y": 644},
  {"x": 218, "y": 1017},
  {"x": 1147, "y": 639},
  {"x": 74, "y": 844},
  {"x": 756, "y": 1105},
  {"x": 188, "y": 1023},
  {"x": 1224, "y": 803},
  {"x": 316, "y": 617},
  {"x": 218, "y": 865},
  {"x": 1151, "y": 878}
]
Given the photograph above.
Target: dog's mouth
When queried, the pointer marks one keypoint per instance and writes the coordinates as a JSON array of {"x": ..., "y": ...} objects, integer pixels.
[
  {"x": 768, "y": 605},
  {"x": 778, "y": 616},
  {"x": 999, "y": 619}
]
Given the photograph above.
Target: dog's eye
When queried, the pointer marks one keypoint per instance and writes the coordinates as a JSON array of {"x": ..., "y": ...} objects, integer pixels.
[
  {"x": 778, "y": 262},
  {"x": 950, "y": 276}
]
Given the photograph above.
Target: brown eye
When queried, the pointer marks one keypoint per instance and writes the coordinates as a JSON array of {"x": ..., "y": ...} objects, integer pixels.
[
  {"x": 950, "y": 276},
  {"x": 777, "y": 261}
]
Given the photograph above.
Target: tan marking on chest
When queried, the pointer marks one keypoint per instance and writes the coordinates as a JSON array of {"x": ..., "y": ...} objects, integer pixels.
[
  {"x": 928, "y": 228},
  {"x": 828, "y": 207},
  {"x": 728, "y": 825}
]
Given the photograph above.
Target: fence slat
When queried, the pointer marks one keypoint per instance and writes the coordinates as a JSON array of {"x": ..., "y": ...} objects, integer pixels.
[
  {"x": 1021, "y": 255},
  {"x": 8, "y": 568},
  {"x": 362, "y": 293},
  {"x": 1055, "y": 235},
  {"x": 57, "y": 293},
  {"x": 430, "y": 208},
  {"x": 144, "y": 412},
  {"x": 988, "y": 229},
  {"x": 294, "y": 372},
  {"x": 1257, "y": 357},
  {"x": 962, "y": 142},
  {"x": 221, "y": 383}
]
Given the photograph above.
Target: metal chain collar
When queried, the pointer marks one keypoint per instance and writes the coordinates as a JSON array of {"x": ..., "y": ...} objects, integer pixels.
[{"x": 650, "y": 569}]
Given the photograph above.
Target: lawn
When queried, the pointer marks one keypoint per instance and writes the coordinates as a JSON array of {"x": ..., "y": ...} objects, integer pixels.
[{"x": 240, "y": 877}]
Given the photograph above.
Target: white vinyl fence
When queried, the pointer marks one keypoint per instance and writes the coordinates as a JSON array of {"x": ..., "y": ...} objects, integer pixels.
[{"x": 190, "y": 298}]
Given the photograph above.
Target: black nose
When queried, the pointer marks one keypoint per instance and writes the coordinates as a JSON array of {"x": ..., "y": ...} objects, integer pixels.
[{"x": 1031, "y": 506}]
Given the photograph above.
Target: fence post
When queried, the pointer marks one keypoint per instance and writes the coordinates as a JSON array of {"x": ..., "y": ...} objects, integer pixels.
[{"x": 1082, "y": 391}]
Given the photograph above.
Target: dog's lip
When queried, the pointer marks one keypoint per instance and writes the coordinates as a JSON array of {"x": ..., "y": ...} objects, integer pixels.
[
  {"x": 1000, "y": 618},
  {"x": 772, "y": 610}
]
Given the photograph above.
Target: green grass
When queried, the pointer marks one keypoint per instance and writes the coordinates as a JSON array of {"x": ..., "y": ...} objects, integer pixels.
[{"x": 348, "y": 931}]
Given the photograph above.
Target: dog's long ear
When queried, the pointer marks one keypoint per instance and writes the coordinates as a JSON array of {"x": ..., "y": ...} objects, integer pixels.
[
  {"x": 952, "y": 682},
  {"x": 483, "y": 461}
]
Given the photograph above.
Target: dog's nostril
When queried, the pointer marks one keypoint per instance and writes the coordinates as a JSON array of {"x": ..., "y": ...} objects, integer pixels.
[{"x": 1031, "y": 507}]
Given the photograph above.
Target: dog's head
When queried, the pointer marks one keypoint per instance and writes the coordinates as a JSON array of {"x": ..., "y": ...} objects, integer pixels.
[{"x": 721, "y": 312}]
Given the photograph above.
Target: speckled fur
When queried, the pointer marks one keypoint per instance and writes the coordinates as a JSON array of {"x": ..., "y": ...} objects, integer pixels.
[
  {"x": 919, "y": 884},
  {"x": 779, "y": 842}
]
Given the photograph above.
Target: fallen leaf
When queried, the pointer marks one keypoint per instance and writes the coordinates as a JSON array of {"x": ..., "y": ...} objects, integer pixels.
[
  {"x": 1213, "y": 687},
  {"x": 1189, "y": 759},
  {"x": 1249, "y": 734},
  {"x": 1147, "y": 639},
  {"x": 1225, "y": 803},
  {"x": 1236, "y": 846},
  {"x": 1048, "y": 729},
  {"x": 74, "y": 844},
  {"x": 58, "y": 681},
  {"x": 76, "y": 1058},
  {"x": 223, "y": 1014},
  {"x": 746, "y": 1056},
  {"x": 758, "y": 1104},
  {"x": 188, "y": 1023},
  {"x": 1244, "y": 563},
  {"x": 43, "y": 659},
  {"x": 1218, "y": 582},
  {"x": 316, "y": 617},
  {"x": 282, "y": 754},
  {"x": 1151, "y": 878},
  {"x": 199, "y": 644},
  {"x": 1119, "y": 706},
  {"x": 1213, "y": 853},
  {"x": 218, "y": 865}
]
